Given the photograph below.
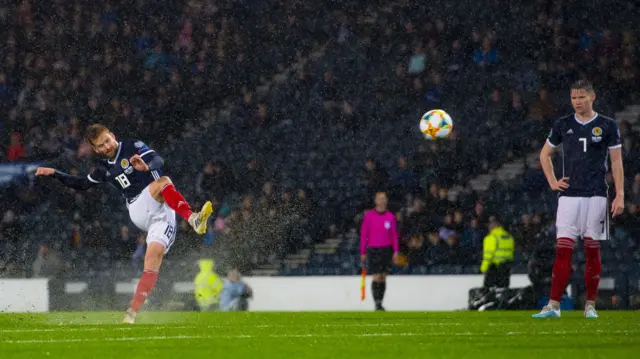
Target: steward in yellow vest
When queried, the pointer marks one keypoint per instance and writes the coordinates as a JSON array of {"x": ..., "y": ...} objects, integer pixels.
[
  {"x": 207, "y": 286},
  {"x": 498, "y": 247}
]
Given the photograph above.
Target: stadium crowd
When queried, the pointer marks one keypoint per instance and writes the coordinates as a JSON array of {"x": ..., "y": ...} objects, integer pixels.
[{"x": 282, "y": 163}]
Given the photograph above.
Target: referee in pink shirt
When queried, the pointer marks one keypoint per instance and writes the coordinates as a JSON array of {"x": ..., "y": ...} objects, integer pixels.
[{"x": 379, "y": 243}]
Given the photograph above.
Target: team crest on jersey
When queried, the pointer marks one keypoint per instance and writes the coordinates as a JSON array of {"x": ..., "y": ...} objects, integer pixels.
[
  {"x": 387, "y": 224},
  {"x": 138, "y": 144},
  {"x": 124, "y": 163},
  {"x": 597, "y": 132}
]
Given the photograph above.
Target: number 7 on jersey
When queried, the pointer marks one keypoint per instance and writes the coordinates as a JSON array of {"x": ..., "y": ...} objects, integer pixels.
[{"x": 584, "y": 143}]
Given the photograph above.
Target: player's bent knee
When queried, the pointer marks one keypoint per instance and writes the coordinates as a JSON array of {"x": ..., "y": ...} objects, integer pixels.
[
  {"x": 163, "y": 181},
  {"x": 158, "y": 185}
]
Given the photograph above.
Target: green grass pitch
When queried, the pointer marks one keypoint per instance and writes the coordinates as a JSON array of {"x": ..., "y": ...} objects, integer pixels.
[{"x": 494, "y": 335}]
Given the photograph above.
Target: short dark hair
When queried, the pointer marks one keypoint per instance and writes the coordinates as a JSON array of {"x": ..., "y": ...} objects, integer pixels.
[
  {"x": 582, "y": 85},
  {"x": 94, "y": 131}
]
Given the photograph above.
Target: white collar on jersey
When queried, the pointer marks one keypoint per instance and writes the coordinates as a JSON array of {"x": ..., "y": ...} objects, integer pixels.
[
  {"x": 575, "y": 116},
  {"x": 117, "y": 154}
]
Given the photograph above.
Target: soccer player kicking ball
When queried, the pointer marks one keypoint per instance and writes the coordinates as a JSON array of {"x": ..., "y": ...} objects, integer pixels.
[
  {"x": 587, "y": 138},
  {"x": 151, "y": 198}
]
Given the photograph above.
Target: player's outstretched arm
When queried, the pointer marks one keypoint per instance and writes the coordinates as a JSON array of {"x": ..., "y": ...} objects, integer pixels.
[
  {"x": 546, "y": 161},
  {"x": 75, "y": 182}
]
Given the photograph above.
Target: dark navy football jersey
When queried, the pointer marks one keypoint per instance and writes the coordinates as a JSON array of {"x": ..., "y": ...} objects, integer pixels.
[
  {"x": 121, "y": 174},
  {"x": 585, "y": 152}
]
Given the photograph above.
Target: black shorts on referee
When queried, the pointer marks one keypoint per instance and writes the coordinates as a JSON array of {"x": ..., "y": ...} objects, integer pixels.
[{"x": 379, "y": 259}]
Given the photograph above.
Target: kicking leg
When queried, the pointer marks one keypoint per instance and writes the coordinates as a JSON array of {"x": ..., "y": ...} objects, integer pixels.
[
  {"x": 152, "y": 261},
  {"x": 163, "y": 191}
]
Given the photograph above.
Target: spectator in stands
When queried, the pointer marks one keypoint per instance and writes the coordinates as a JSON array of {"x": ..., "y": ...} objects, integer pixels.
[
  {"x": 443, "y": 205},
  {"x": 436, "y": 252},
  {"x": 268, "y": 195},
  {"x": 456, "y": 57},
  {"x": 416, "y": 249},
  {"x": 533, "y": 181},
  {"x": 329, "y": 91},
  {"x": 487, "y": 55},
  {"x": 458, "y": 224},
  {"x": 417, "y": 61},
  {"x": 629, "y": 221},
  {"x": 447, "y": 229},
  {"x": 517, "y": 109},
  {"x": 472, "y": 235},
  {"x": 235, "y": 293},
  {"x": 525, "y": 233},
  {"x": 543, "y": 108},
  {"x": 222, "y": 222},
  {"x": 48, "y": 263},
  {"x": 214, "y": 182},
  {"x": 15, "y": 151},
  {"x": 374, "y": 178},
  {"x": 480, "y": 213},
  {"x": 125, "y": 244},
  {"x": 418, "y": 219},
  {"x": 625, "y": 74},
  {"x": 302, "y": 205},
  {"x": 454, "y": 253},
  {"x": 435, "y": 91},
  {"x": 261, "y": 117},
  {"x": 254, "y": 177},
  {"x": 137, "y": 257},
  {"x": 467, "y": 198}
]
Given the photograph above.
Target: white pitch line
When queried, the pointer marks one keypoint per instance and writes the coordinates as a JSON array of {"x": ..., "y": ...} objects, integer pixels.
[
  {"x": 89, "y": 328},
  {"x": 172, "y": 337},
  {"x": 63, "y": 328},
  {"x": 310, "y": 335}
]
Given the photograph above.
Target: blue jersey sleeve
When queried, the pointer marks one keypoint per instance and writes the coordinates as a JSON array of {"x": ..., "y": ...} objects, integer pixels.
[
  {"x": 555, "y": 135},
  {"x": 75, "y": 182},
  {"x": 614, "y": 140},
  {"x": 98, "y": 175},
  {"x": 142, "y": 149},
  {"x": 150, "y": 157}
]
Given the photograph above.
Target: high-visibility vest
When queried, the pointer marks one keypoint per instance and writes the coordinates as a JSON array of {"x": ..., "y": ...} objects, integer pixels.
[
  {"x": 207, "y": 285},
  {"x": 498, "y": 247}
]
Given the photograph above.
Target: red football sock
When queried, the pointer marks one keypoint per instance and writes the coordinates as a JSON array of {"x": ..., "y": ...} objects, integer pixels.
[
  {"x": 561, "y": 268},
  {"x": 592, "y": 268},
  {"x": 174, "y": 199},
  {"x": 145, "y": 285}
]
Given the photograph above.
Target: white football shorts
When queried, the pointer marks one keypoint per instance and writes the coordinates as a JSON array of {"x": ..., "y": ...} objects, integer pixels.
[
  {"x": 582, "y": 217},
  {"x": 157, "y": 219}
]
